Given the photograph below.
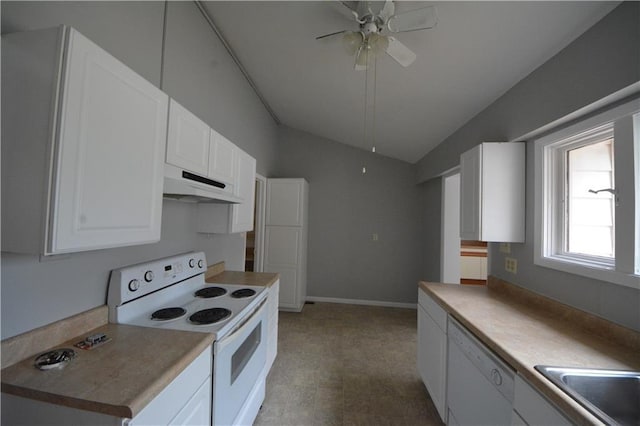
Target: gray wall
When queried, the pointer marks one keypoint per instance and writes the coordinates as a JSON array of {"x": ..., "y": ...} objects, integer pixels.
[
  {"x": 201, "y": 75},
  {"x": 346, "y": 208},
  {"x": 602, "y": 61},
  {"x": 430, "y": 229}
]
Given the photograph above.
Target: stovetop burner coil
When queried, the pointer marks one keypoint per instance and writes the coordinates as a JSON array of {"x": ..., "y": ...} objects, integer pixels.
[
  {"x": 168, "y": 314},
  {"x": 242, "y": 293},
  {"x": 210, "y": 316},
  {"x": 209, "y": 292}
]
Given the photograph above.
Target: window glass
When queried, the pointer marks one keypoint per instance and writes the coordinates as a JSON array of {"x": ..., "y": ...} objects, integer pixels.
[{"x": 590, "y": 203}]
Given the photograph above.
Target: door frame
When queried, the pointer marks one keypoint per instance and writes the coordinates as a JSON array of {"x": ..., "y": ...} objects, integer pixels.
[{"x": 260, "y": 206}]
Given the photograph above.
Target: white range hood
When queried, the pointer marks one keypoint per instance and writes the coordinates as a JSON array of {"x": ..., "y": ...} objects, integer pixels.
[{"x": 182, "y": 185}]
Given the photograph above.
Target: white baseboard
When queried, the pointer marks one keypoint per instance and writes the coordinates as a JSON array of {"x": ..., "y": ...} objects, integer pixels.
[{"x": 362, "y": 302}]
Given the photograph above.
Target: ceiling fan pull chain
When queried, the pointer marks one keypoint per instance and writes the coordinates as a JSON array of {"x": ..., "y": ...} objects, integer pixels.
[
  {"x": 373, "y": 118},
  {"x": 364, "y": 124}
]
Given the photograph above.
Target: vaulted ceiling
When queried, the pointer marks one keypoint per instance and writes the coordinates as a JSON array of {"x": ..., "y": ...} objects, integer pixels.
[{"x": 477, "y": 51}]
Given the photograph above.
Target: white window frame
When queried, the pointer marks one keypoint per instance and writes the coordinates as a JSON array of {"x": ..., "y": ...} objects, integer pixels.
[{"x": 549, "y": 211}]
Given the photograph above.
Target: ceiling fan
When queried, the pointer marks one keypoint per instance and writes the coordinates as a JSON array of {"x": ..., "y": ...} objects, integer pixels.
[{"x": 376, "y": 17}]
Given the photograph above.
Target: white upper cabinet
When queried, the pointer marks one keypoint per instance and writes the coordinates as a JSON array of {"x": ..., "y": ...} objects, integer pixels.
[
  {"x": 227, "y": 219},
  {"x": 83, "y": 146},
  {"x": 245, "y": 188},
  {"x": 492, "y": 192},
  {"x": 222, "y": 158},
  {"x": 188, "y": 140}
]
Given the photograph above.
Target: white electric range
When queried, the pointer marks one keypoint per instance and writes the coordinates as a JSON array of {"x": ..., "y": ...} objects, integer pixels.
[{"x": 171, "y": 293}]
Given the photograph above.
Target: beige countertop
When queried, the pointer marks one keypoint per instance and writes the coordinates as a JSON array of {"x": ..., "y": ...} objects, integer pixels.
[
  {"x": 216, "y": 274},
  {"x": 117, "y": 378},
  {"x": 526, "y": 329}
]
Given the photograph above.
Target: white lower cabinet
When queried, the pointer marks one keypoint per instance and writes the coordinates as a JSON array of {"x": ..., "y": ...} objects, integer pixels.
[
  {"x": 533, "y": 409},
  {"x": 432, "y": 350},
  {"x": 83, "y": 141},
  {"x": 272, "y": 334},
  {"x": 186, "y": 401}
]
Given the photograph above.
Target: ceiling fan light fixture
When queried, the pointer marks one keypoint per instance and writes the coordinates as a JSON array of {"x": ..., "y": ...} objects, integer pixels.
[
  {"x": 363, "y": 56},
  {"x": 378, "y": 43},
  {"x": 352, "y": 41}
]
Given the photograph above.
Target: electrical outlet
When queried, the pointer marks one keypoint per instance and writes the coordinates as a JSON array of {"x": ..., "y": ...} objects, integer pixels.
[
  {"x": 511, "y": 265},
  {"x": 505, "y": 248},
  {"x": 374, "y": 237}
]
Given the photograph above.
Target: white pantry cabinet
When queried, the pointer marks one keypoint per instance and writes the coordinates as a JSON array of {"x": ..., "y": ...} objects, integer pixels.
[
  {"x": 432, "y": 350},
  {"x": 492, "y": 192},
  {"x": 286, "y": 239},
  {"x": 83, "y": 140},
  {"x": 187, "y": 140},
  {"x": 227, "y": 219}
]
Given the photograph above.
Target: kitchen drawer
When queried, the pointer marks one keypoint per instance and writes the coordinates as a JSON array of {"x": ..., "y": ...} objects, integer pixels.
[{"x": 434, "y": 310}]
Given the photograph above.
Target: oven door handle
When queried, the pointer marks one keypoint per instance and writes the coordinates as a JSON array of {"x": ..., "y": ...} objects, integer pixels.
[{"x": 229, "y": 338}]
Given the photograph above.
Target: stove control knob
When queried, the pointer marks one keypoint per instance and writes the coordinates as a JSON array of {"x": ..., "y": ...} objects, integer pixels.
[
  {"x": 134, "y": 285},
  {"x": 192, "y": 263},
  {"x": 148, "y": 276},
  {"x": 200, "y": 263}
]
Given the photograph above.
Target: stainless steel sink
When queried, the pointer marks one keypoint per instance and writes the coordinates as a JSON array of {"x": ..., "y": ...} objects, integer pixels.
[{"x": 611, "y": 395}]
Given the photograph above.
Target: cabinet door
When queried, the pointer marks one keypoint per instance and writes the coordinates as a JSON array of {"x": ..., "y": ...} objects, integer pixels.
[
  {"x": 198, "y": 409},
  {"x": 272, "y": 336},
  {"x": 245, "y": 188},
  {"x": 222, "y": 159},
  {"x": 107, "y": 188},
  {"x": 285, "y": 199},
  {"x": 432, "y": 358},
  {"x": 188, "y": 140},
  {"x": 470, "y": 195},
  {"x": 533, "y": 408},
  {"x": 283, "y": 245},
  {"x": 289, "y": 292}
]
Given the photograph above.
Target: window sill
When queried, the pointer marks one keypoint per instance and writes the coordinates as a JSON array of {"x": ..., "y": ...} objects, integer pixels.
[{"x": 590, "y": 271}]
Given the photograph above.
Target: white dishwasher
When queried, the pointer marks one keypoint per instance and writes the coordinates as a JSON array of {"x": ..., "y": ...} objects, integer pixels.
[{"x": 479, "y": 384}]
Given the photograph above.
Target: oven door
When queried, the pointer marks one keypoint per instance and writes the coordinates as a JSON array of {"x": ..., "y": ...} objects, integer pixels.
[{"x": 238, "y": 363}]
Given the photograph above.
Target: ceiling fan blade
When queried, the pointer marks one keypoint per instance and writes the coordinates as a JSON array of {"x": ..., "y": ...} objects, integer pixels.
[
  {"x": 413, "y": 20},
  {"x": 351, "y": 5},
  {"x": 400, "y": 52},
  {"x": 330, "y": 34},
  {"x": 387, "y": 11}
]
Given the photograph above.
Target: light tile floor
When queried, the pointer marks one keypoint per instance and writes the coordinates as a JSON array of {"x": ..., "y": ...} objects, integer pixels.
[{"x": 346, "y": 365}]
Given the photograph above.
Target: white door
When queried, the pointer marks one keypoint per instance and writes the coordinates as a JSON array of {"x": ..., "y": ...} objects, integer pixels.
[
  {"x": 108, "y": 174},
  {"x": 188, "y": 140}
]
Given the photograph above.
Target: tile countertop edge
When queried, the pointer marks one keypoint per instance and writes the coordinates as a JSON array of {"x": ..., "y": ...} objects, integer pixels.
[
  {"x": 216, "y": 274},
  {"x": 571, "y": 408}
]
